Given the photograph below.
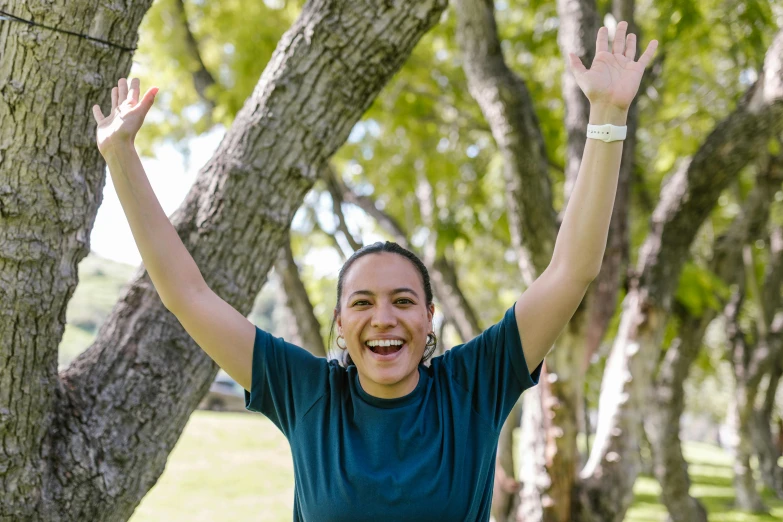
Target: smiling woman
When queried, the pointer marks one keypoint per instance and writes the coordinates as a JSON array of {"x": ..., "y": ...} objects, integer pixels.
[
  {"x": 383, "y": 436},
  {"x": 385, "y": 307}
]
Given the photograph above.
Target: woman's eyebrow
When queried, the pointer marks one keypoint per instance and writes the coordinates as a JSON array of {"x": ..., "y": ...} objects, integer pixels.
[{"x": 395, "y": 291}]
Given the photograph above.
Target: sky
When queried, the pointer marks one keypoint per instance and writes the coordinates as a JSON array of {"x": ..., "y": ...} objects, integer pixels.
[{"x": 111, "y": 237}]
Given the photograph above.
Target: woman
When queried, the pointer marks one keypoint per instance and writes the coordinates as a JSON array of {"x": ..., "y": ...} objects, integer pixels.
[{"x": 386, "y": 437}]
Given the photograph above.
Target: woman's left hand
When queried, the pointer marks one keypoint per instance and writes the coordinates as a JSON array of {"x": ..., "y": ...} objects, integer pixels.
[{"x": 613, "y": 78}]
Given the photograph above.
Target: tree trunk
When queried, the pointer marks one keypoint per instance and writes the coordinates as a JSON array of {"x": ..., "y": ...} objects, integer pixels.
[
  {"x": 90, "y": 445},
  {"x": 532, "y": 457},
  {"x": 747, "y": 497},
  {"x": 506, "y": 486},
  {"x": 768, "y": 454},
  {"x": 298, "y": 302},
  {"x": 752, "y": 362},
  {"x": 686, "y": 200},
  {"x": 51, "y": 184},
  {"x": 662, "y": 423},
  {"x": 202, "y": 78}
]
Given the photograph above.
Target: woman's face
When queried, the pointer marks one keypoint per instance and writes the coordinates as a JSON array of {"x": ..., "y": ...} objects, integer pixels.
[{"x": 383, "y": 300}]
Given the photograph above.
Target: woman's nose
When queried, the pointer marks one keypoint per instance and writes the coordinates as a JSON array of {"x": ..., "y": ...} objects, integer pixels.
[{"x": 383, "y": 316}]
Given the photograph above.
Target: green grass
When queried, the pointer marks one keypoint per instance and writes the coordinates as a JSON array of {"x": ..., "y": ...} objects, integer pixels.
[
  {"x": 100, "y": 283},
  {"x": 236, "y": 466},
  {"x": 711, "y": 476},
  {"x": 226, "y": 466}
]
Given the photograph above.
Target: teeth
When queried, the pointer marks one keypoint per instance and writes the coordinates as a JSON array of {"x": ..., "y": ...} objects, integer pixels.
[{"x": 384, "y": 343}]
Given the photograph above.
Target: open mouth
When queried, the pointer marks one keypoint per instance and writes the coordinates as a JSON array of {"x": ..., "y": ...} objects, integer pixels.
[{"x": 385, "y": 348}]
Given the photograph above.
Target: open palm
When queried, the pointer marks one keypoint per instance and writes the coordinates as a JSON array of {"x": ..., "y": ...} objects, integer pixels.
[
  {"x": 126, "y": 116},
  {"x": 614, "y": 77}
]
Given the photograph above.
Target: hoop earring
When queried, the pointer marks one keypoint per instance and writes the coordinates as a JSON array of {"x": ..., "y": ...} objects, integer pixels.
[
  {"x": 338, "y": 342},
  {"x": 432, "y": 340}
]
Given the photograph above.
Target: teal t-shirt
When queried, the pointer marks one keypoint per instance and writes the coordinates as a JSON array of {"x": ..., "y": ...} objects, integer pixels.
[{"x": 429, "y": 455}]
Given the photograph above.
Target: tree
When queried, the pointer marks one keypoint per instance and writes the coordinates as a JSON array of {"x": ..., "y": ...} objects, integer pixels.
[
  {"x": 106, "y": 424},
  {"x": 692, "y": 317},
  {"x": 685, "y": 202},
  {"x": 551, "y": 419}
]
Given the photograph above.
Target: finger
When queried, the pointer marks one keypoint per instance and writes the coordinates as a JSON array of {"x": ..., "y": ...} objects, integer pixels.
[
  {"x": 618, "y": 46},
  {"x": 602, "y": 42},
  {"x": 576, "y": 64},
  {"x": 123, "y": 86},
  {"x": 97, "y": 114},
  {"x": 133, "y": 95},
  {"x": 645, "y": 59},
  {"x": 149, "y": 98},
  {"x": 114, "y": 98},
  {"x": 630, "y": 46}
]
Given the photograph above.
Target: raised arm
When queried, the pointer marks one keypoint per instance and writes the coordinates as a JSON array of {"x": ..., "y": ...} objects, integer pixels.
[
  {"x": 610, "y": 85},
  {"x": 222, "y": 332}
]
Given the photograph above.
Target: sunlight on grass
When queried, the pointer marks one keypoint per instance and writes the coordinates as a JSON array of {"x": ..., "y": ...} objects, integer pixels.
[
  {"x": 711, "y": 474},
  {"x": 226, "y": 466}
]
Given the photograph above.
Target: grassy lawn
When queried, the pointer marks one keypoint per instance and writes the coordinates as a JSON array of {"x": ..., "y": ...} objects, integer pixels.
[
  {"x": 226, "y": 466},
  {"x": 710, "y": 470}
]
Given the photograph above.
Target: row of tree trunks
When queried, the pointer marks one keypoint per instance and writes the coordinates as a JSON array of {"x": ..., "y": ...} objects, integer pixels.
[
  {"x": 770, "y": 302},
  {"x": 685, "y": 202},
  {"x": 662, "y": 423},
  {"x": 747, "y": 497},
  {"x": 89, "y": 445}
]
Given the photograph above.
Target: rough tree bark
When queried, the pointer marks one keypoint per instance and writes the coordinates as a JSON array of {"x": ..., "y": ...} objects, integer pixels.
[
  {"x": 89, "y": 443},
  {"x": 662, "y": 423},
  {"x": 51, "y": 184},
  {"x": 685, "y": 202}
]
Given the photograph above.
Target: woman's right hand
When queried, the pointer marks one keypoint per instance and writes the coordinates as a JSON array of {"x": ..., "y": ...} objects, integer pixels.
[{"x": 126, "y": 116}]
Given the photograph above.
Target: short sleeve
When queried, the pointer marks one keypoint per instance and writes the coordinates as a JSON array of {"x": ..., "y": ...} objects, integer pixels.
[
  {"x": 286, "y": 381},
  {"x": 493, "y": 369}
]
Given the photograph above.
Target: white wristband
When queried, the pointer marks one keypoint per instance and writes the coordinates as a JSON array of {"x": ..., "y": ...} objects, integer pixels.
[{"x": 607, "y": 132}]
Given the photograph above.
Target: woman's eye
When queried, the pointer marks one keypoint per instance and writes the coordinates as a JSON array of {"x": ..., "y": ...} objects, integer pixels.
[
  {"x": 360, "y": 303},
  {"x": 408, "y": 301}
]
